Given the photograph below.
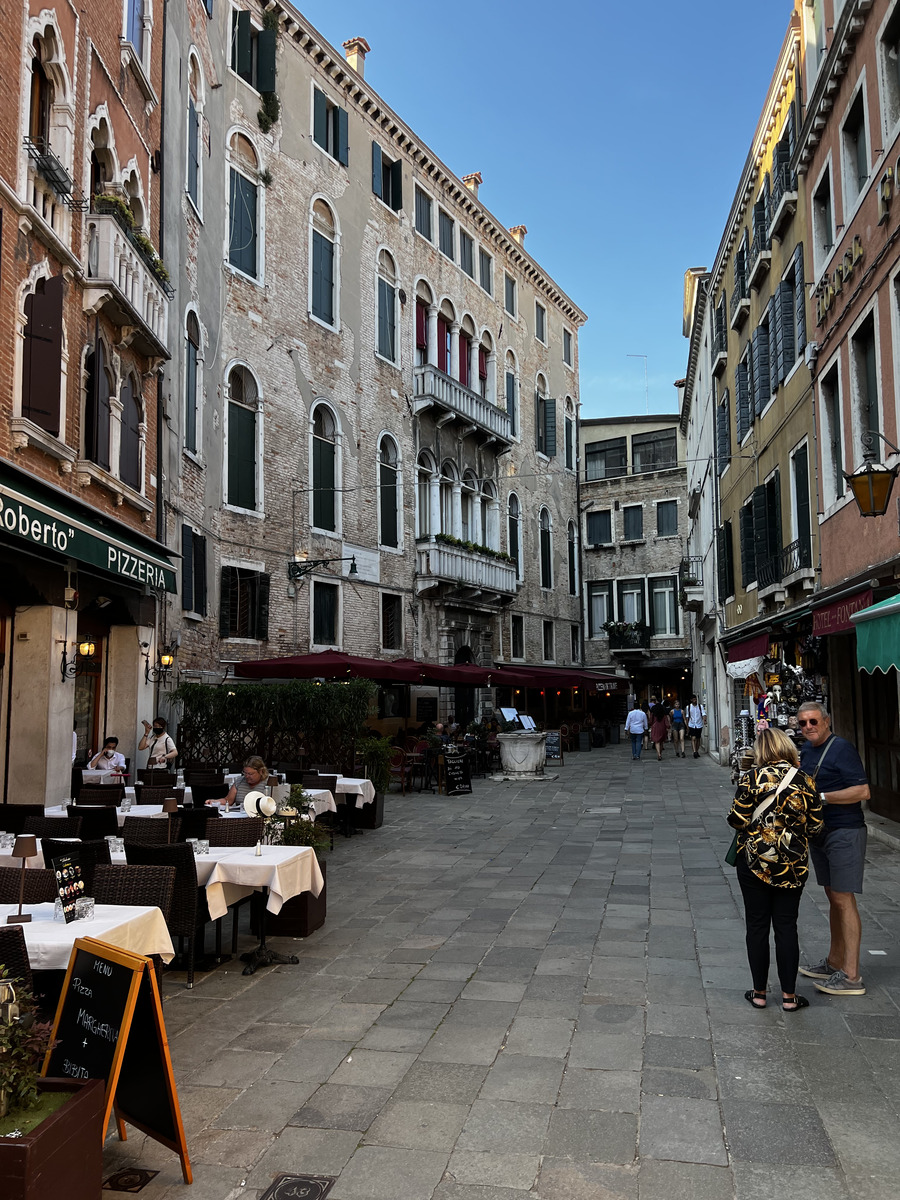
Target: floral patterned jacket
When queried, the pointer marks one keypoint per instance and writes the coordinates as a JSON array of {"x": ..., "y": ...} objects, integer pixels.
[{"x": 776, "y": 847}]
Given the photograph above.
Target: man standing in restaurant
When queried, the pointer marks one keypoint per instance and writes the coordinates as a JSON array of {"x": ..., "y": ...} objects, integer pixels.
[
  {"x": 636, "y": 725},
  {"x": 839, "y": 859},
  {"x": 696, "y": 719}
]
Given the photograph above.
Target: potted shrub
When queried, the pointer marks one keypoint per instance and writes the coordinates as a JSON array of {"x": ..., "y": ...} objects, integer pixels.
[
  {"x": 301, "y": 915},
  {"x": 51, "y": 1136},
  {"x": 375, "y": 753}
]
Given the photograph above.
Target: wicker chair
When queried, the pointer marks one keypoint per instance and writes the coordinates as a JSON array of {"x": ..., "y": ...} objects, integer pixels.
[
  {"x": 40, "y": 886},
  {"x": 109, "y": 794},
  {"x": 151, "y": 831},
  {"x": 14, "y": 816},
  {"x": 91, "y": 854},
  {"x": 158, "y": 778},
  {"x": 53, "y": 827},
  {"x": 209, "y": 776},
  {"x": 245, "y": 832},
  {"x": 202, "y": 792},
  {"x": 189, "y": 912},
  {"x": 195, "y": 822},
  {"x": 156, "y": 795},
  {"x": 99, "y": 822},
  {"x": 14, "y": 956},
  {"x": 146, "y": 886}
]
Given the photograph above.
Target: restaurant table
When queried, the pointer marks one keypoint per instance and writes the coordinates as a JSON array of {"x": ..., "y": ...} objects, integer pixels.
[
  {"x": 136, "y": 810},
  {"x": 138, "y": 928},
  {"x": 362, "y": 790},
  {"x": 319, "y": 801}
]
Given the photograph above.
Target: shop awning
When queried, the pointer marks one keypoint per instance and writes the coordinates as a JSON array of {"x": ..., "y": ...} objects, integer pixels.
[
  {"x": 328, "y": 664},
  {"x": 49, "y": 520},
  {"x": 878, "y": 635},
  {"x": 745, "y": 658}
]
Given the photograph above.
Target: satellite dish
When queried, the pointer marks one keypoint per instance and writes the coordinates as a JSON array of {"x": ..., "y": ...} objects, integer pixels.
[{"x": 258, "y": 804}]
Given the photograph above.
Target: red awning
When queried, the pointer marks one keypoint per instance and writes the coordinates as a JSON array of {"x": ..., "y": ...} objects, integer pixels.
[
  {"x": 755, "y": 647},
  {"x": 836, "y": 616},
  {"x": 329, "y": 664}
]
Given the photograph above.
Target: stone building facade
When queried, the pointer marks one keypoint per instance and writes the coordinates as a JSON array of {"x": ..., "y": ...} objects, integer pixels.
[
  {"x": 369, "y": 373},
  {"x": 83, "y": 308}
]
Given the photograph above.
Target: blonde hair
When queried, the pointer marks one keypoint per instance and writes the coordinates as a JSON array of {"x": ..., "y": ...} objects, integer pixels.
[
  {"x": 256, "y": 764},
  {"x": 774, "y": 746}
]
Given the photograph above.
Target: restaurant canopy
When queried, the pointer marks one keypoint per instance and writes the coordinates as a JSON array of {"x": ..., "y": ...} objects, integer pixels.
[
  {"x": 878, "y": 636},
  {"x": 745, "y": 658},
  {"x": 327, "y": 664}
]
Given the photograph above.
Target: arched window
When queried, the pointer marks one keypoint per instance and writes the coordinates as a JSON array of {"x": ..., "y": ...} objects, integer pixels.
[
  {"x": 130, "y": 440},
  {"x": 243, "y": 438},
  {"x": 134, "y": 196},
  {"x": 193, "y": 180},
  {"x": 486, "y": 385},
  {"x": 424, "y": 301},
  {"x": 544, "y": 419},
  {"x": 490, "y": 517},
  {"x": 449, "y": 485},
  {"x": 512, "y": 393},
  {"x": 389, "y": 492},
  {"x": 514, "y": 513},
  {"x": 465, "y": 354},
  {"x": 573, "y": 559},
  {"x": 243, "y": 207},
  {"x": 445, "y": 321},
  {"x": 324, "y": 469},
  {"x": 41, "y": 100},
  {"x": 97, "y": 390},
  {"x": 191, "y": 360},
  {"x": 425, "y": 475},
  {"x": 470, "y": 507},
  {"x": 323, "y": 303},
  {"x": 546, "y": 534},
  {"x": 387, "y": 307},
  {"x": 103, "y": 163}
]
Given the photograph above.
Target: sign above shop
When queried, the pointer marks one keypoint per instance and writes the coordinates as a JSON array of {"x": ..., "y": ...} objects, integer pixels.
[
  {"x": 46, "y": 523},
  {"x": 833, "y": 284},
  {"x": 835, "y": 617}
]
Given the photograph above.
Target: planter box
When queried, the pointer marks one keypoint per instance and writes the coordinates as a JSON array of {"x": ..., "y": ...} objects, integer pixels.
[
  {"x": 301, "y": 915},
  {"x": 64, "y": 1155},
  {"x": 370, "y": 816}
]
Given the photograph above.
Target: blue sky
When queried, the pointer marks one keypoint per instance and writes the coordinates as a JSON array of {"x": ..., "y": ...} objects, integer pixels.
[{"x": 616, "y": 133}]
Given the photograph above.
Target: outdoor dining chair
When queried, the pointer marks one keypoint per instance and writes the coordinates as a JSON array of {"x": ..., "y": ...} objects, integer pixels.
[
  {"x": 99, "y": 822},
  {"x": 195, "y": 821},
  {"x": 157, "y": 778},
  {"x": 152, "y": 831},
  {"x": 111, "y": 793},
  {"x": 53, "y": 827},
  {"x": 155, "y": 795},
  {"x": 90, "y": 855},
  {"x": 14, "y": 816},
  {"x": 131, "y": 885},
  {"x": 40, "y": 886},
  {"x": 189, "y": 912},
  {"x": 14, "y": 956},
  {"x": 246, "y": 831},
  {"x": 204, "y": 775}
]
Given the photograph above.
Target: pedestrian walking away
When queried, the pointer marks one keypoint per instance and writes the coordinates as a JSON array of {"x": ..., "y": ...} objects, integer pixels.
[
  {"x": 839, "y": 857},
  {"x": 659, "y": 729},
  {"x": 677, "y": 718},
  {"x": 696, "y": 719},
  {"x": 636, "y": 725},
  {"x": 776, "y": 810}
]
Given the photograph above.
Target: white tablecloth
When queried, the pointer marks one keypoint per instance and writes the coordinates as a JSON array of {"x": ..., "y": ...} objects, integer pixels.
[
  {"x": 130, "y": 927},
  {"x": 320, "y": 801},
  {"x": 362, "y": 789},
  {"x": 285, "y": 870},
  {"x": 136, "y": 810}
]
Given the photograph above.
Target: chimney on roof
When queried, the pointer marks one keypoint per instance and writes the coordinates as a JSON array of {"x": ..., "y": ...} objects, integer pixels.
[
  {"x": 472, "y": 182},
  {"x": 518, "y": 232},
  {"x": 356, "y": 50}
]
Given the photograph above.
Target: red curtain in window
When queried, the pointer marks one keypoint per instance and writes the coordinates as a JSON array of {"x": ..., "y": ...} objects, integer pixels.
[
  {"x": 482, "y": 363},
  {"x": 443, "y": 345},
  {"x": 421, "y": 326},
  {"x": 465, "y": 350}
]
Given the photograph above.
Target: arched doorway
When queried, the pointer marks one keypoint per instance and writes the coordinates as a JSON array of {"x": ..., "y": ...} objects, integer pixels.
[{"x": 464, "y": 698}]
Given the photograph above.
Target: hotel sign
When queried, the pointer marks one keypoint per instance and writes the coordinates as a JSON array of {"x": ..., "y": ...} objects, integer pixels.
[
  {"x": 831, "y": 287},
  {"x": 835, "y": 618}
]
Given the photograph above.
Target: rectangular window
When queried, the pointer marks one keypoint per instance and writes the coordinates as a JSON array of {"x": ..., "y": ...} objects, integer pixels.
[
  {"x": 423, "y": 214},
  {"x": 545, "y": 425},
  {"x": 654, "y": 451},
  {"x": 134, "y": 30},
  {"x": 600, "y": 607},
  {"x": 391, "y": 622},
  {"x": 567, "y": 348},
  {"x": 548, "y": 641},
  {"x": 193, "y": 571},
  {"x": 631, "y": 601},
  {"x": 540, "y": 322},
  {"x": 242, "y": 215},
  {"x": 445, "y": 234},
  {"x": 517, "y": 637},
  {"x": 723, "y": 432},
  {"x": 832, "y": 436},
  {"x": 742, "y": 397},
  {"x": 387, "y": 178},
  {"x": 325, "y": 613},
  {"x": 42, "y": 371},
  {"x": 243, "y": 604},
  {"x": 509, "y": 295},
  {"x": 570, "y": 444},
  {"x": 667, "y": 518},
  {"x": 193, "y": 154},
  {"x": 725, "y": 561},
  {"x": 486, "y": 271},
  {"x": 252, "y": 50},
  {"x": 889, "y": 52},
  {"x": 823, "y": 221},
  {"x": 855, "y": 150},
  {"x": 386, "y": 320},
  {"x": 607, "y": 459},
  {"x": 767, "y": 531},
  {"x": 802, "y": 521},
  {"x": 322, "y": 278},
  {"x": 864, "y": 376},
  {"x": 748, "y": 545},
  {"x": 760, "y": 367},
  {"x": 664, "y": 607},
  {"x": 241, "y": 456},
  {"x": 633, "y": 522},
  {"x": 330, "y": 129},
  {"x": 575, "y": 642},
  {"x": 599, "y": 528},
  {"x": 467, "y": 253},
  {"x": 511, "y": 406}
]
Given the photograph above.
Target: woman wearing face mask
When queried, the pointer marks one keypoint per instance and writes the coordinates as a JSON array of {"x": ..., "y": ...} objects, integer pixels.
[{"x": 162, "y": 750}]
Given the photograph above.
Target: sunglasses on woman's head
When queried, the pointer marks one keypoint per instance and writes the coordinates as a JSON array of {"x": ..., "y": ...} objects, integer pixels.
[{"x": 811, "y": 721}]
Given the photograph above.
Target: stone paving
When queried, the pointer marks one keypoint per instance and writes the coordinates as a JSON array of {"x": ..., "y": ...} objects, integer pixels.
[{"x": 537, "y": 991}]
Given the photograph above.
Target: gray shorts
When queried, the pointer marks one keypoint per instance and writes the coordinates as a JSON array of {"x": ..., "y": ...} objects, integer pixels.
[{"x": 840, "y": 858}]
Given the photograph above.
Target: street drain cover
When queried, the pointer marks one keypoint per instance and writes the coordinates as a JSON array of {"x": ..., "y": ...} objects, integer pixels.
[
  {"x": 602, "y": 811},
  {"x": 299, "y": 1187},
  {"x": 132, "y": 1179}
]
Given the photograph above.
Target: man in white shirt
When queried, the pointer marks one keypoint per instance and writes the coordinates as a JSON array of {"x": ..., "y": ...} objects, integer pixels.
[
  {"x": 696, "y": 719},
  {"x": 636, "y": 725},
  {"x": 109, "y": 758}
]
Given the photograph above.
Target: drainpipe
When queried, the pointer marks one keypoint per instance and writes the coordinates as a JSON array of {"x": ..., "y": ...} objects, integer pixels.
[{"x": 9, "y": 696}]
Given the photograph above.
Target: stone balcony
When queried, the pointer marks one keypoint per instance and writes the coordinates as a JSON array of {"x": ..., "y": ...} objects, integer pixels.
[
  {"x": 473, "y": 575},
  {"x": 434, "y": 389},
  {"x": 120, "y": 282}
]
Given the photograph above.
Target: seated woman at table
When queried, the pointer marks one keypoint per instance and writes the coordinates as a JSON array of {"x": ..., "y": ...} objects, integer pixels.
[
  {"x": 109, "y": 758},
  {"x": 255, "y": 774}
]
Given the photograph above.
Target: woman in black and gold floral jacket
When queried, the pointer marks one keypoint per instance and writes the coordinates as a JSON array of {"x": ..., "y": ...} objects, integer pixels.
[{"x": 776, "y": 810}]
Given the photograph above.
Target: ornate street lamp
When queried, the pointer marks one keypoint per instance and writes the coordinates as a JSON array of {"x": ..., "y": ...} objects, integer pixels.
[
  {"x": 302, "y": 565},
  {"x": 872, "y": 483}
]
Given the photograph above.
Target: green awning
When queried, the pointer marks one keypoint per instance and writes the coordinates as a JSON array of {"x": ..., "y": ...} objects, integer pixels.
[{"x": 878, "y": 635}]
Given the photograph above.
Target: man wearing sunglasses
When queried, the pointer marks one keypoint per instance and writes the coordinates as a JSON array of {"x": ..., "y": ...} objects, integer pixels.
[{"x": 833, "y": 763}]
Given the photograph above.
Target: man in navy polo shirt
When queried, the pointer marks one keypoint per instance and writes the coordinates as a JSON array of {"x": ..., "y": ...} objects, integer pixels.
[{"x": 839, "y": 860}]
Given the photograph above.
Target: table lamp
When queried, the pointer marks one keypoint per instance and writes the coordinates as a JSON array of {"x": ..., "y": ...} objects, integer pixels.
[
  {"x": 25, "y": 847},
  {"x": 170, "y": 804}
]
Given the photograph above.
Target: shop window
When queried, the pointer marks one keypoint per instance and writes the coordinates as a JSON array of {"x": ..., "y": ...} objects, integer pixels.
[
  {"x": 244, "y": 604},
  {"x": 325, "y": 613},
  {"x": 193, "y": 571},
  {"x": 42, "y": 354},
  {"x": 97, "y": 391},
  {"x": 330, "y": 127}
]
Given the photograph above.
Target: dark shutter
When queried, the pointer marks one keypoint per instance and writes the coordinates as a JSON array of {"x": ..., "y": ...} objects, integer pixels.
[
  {"x": 720, "y": 564},
  {"x": 748, "y": 549},
  {"x": 324, "y": 614},
  {"x": 320, "y": 119},
  {"x": 200, "y": 575},
  {"x": 801, "y": 498},
  {"x": 421, "y": 326},
  {"x": 96, "y": 409},
  {"x": 266, "y": 43},
  {"x": 193, "y": 169},
  {"x": 742, "y": 400},
  {"x": 786, "y": 312},
  {"x": 323, "y": 484},
  {"x": 778, "y": 368},
  {"x": 262, "y": 607},
  {"x": 243, "y": 54},
  {"x": 190, "y": 396},
  {"x": 513, "y": 534},
  {"x": 570, "y": 444},
  {"x": 242, "y": 237},
  {"x": 386, "y": 320},
  {"x": 723, "y": 433},
  {"x": 511, "y": 401},
  {"x": 377, "y": 187},
  {"x": 241, "y": 456},
  {"x": 773, "y": 506},
  {"x": 323, "y": 278},
  {"x": 42, "y": 354},
  {"x": 130, "y": 440},
  {"x": 550, "y": 427},
  {"x": 538, "y": 422},
  {"x": 762, "y": 385},
  {"x": 397, "y": 185},
  {"x": 187, "y": 568},
  {"x": 800, "y": 299},
  {"x": 341, "y": 139},
  {"x": 760, "y": 527},
  {"x": 443, "y": 356},
  {"x": 388, "y": 505},
  {"x": 227, "y": 600}
]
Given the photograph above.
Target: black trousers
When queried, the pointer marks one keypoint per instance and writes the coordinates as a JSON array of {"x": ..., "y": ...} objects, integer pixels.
[{"x": 764, "y": 907}]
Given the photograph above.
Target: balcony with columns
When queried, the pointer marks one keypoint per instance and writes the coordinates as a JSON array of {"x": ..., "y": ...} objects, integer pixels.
[
  {"x": 464, "y": 575},
  {"x": 476, "y": 413},
  {"x": 121, "y": 283}
]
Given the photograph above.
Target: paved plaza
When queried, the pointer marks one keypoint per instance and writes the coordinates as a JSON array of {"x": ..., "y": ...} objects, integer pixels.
[{"x": 537, "y": 991}]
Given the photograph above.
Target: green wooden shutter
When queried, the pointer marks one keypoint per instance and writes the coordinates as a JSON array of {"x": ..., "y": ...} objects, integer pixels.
[
  {"x": 187, "y": 568},
  {"x": 199, "y": 544},
  {"x": 320, "y": 119},
  {"x": 742, "y": 400},
  {"x": 242, "y": 249},
  {"x": 323, "y": 278},
  {"x": 386, "y": 320},
  {"x": 261, "y": 630},
  {"x": 342, "y": 137},
  {"x": 785, "y": 303},
  {"x": 720, "y": 564},
  {"x": 377, "y": 187},
  {"x": 550, "y": 427},
  {"x": 323, "y": 484},
  {"x": 241, "y": 456},
  {"x": 266, "y": 43},
  {"x": 761, "y": 549},
  {"x": 243, "y": 51},
  {"x": 388, "y": 505},
  {"x": 723, "y": 433},
  {"x": 538, "y": 422},
  {"x": 800, "y": 299},
  {"x": 227, "y": 589},
  {"x": 773, "y": 503},
  {"x": 193, "y": 169},
  {"x": 801, "y": 497},
  {"x": 397, "y": 185},
  {"x": 777, "y": 368},
  {"x": 748, "y": 548},
  {"x": 42, "y": 356}
]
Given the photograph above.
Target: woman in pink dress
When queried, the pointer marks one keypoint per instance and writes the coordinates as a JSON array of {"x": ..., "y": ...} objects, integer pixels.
[{"x": 659, "y": 729}]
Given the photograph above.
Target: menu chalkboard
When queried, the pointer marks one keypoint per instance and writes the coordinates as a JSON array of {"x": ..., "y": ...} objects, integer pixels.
[
  {"x": 109, "y": 1025},
  {"x": 457, "y": 775},
  {"x": 426, "y": 708},
  {"x": 553, "y": 745}
]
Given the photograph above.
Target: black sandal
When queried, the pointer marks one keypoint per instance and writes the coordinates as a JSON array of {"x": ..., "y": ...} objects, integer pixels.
[
  {"x": 749, "y": 997},
  {"x": 791, "y": 1005}
]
